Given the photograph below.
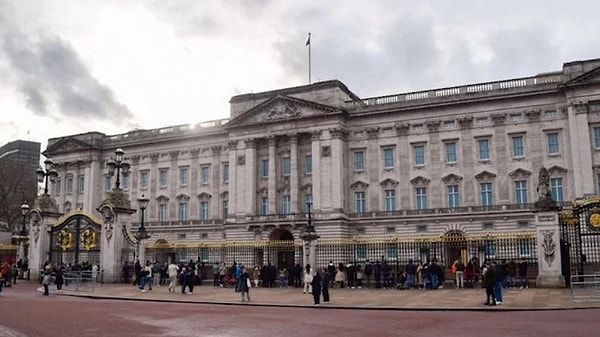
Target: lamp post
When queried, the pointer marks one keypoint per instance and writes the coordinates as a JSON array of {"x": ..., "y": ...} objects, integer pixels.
[
  {"x": 46, "y": 173},
  {"x": 120, "y": 165},
  {"x": 22, "y": 236},
  {"x": 309, "y": 236},
  {"x": 24, "y": 212},
  {"x": 141, "y": 233}
]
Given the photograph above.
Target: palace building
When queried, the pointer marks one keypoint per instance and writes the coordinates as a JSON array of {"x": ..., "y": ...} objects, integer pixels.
[{"x": 460, "y": 161}]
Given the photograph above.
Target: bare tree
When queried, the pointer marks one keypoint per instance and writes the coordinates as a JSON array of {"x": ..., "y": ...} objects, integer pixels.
[{"x": 16, "y": 186}]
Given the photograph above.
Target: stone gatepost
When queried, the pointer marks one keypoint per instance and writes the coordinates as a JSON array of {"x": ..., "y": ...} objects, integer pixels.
[
  {"x": 43, "y": 216},
  {"x": 116, "y": 216},
  {"x": 548, "y": 236}
]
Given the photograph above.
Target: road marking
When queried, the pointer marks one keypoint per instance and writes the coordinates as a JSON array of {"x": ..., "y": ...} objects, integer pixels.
[{"x": 6, "y": 332}]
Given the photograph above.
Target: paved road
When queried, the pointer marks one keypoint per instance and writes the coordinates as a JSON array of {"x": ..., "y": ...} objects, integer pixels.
[{"x": 25, "y": 313}]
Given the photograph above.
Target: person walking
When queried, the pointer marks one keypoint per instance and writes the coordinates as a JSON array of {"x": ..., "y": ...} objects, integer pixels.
[
  {"x": 173, "y": 271},
  {"x": 308, "y": 278},
  {"x": 316, "y": 287},
  {"x": 489, "y": 282},
  {"x": 325, "y": 284},
  {"x": 244, "y": 285},
  {"x": 46, "y": 281}
]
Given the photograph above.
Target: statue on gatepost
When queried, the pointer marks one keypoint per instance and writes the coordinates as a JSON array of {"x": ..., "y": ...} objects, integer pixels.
[{"x": 545, "y": 201}]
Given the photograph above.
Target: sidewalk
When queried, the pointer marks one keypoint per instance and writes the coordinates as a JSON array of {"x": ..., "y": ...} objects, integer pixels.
[{"x": 380, "y": 299}]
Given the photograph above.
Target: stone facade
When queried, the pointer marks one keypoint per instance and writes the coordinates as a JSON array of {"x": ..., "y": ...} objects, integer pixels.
[{"x": 444, "y": 160}]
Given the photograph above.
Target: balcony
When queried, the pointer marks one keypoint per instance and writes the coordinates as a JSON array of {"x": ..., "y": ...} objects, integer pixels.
[{"x": 441, "y": 211}]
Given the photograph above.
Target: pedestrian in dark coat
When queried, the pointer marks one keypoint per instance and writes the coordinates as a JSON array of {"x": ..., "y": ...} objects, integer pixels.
[
  {"x": 316, "y": 287},
  {"x": 489, "y": 281},
  {"x": 325, "y": 282}
]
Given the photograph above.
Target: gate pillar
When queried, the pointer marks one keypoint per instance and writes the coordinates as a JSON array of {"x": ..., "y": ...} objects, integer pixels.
[
  {"x": 116, "y": 214},
  {"x": 43, "y": 216}
]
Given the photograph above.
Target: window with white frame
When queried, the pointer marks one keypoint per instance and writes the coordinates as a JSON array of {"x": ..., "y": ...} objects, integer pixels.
[
  {"x": 286, "y": 166},
  {"x": 451, "y": 155},
  {"x": 163, "y": 178},
  {"x": 390, "y": 200},
  {"x": 126, "y": 182},
  {"x": 107, "y": 183},
  {"x": 556, "y": 189},
  {"x": 184, "y": 173},
  {"x": 162, "y": 212},
  {"x": 481, "y": 121},
  {"x": 57, "y": 186},
  {"x": 553, "y": 143},
  {"x": 419, "y": 150},
  {"x": 81, "y": 184},
  {"x": 264, "y": 168},
  {"x": 204, "y": 210},
  {"x": 144, "y": 175},
  {"x": 483, "y": 145},
  {"x": 449, "y": 124},
  {"x": 183, "y": 211},
  {"x": 205, "y": 175},
  {"x": 453, "y": 196},
  {"x": 597, "y": 137},
  {"x": 286, "y": 205},
  {"x": 225, "y": 208},
  {"x": 521, "y": 191},
  {"x": 359, "y": 161},
  {"x": 549, "y": 114},
  {"x": 515, "y": 118},
  {"x": 388, "y": 158},
  {"x": 69, "y": 185},
  {"x": 421, "y": 197},
  {"x": 487, "y": 196},
  {"x": 518, "y": 146},
  {"x": 264, "y": 206},
  {"x": 308, "y": 164},
  {"x": 359, "y": 202},
  {"x": 226, "y": 172}
]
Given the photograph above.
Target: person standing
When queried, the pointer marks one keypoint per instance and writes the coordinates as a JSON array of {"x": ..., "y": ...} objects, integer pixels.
[
  {"x": 244, "y": 285},
  {"x": 325, "y": 284},
  {"x": 500, "y": 278},
  {"x": 316, "y": 287},
  {"x": 59, "y": 280},
  {"x": 411, "y": 272},
  {"x": 46, "y": 281},
  {"x": 460, "y": 273},
  {"x": 489, "y": 282},
  {"x": 308, "y": 279},
  {"x": 523, "y": 274},
  {"x": 215, "y": 270},
  {"x": 172, "y": 271}
]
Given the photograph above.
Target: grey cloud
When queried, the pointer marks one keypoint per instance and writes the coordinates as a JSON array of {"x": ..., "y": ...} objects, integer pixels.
[{"x": 48, "y": 72}]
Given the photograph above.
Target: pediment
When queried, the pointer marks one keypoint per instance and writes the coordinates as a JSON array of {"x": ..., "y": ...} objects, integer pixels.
[
  {"x": 557, "y": 170},
  {"x": 162, "y": 198},
  {"x": 204, "y": 196},
  {"x": 451, "y": 177},
  {"x": 68, "y": 144},
  {"x": 420, "y": 180},
  {"x": 281, "y": 109},
  {"x": 306, "y": 187},
  {"x": 520, "y": 173},
  {"x": 389, "y": 182},
  {"x": 359, "y": 185},
  {"x": 182, "y": 196},
  {"x": 590, "y": 77},
  {"x": 485, "y": 175}
]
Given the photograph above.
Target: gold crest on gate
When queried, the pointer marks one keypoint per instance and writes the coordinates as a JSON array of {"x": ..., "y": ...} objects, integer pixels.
[{"x": 594, "y": 219}]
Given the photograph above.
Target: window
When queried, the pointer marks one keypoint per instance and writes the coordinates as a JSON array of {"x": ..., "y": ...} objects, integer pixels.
[
  {"x": 449, "y": 124},
  {"x": 486, "y": 194},
  {"x": 359, "y": 161},
  {"x": 524, "y": 247},
  {"x": 390, "y": 200},
  {"x": 359, "y": 202},
  {"x": 308, "y": 164},
  {"x": 81, "y": 184},
  {"x": 490, "y": 250},
  {"x": 453, "y": 197},
  {"x": 183, "y": 211},
  {"x": 286, "y": 167},
  {"x": 518, "y": 147},
  {"x": 484, "y": 149},
  {"x": 126, "y": 182},
  {"x": 69, "y": 185},
  {"x": 204, "y": 210},
  {"x": 553, "y": 145},
  {"x": 286, "y": 205},
  {"x": 264, "y": 206},
  {"x": 550, "y": 114},
  {"x": 488, "y": 226},
  {"x": 451, "y": 152},
  {"x": 162, "y": 212},
  {"x": 392, "y": 251},
  {"x": 523, "y": 224},
  {"x": 388, "y": 158},
  {"x": 308, "y": 198},
  {"x": 419, "y": 155},
  {"x": 264, "y": 168},
  {"x": 515, "y": 118},
  {"x": 361, "y": 252},
  {"x": 421, "y": 197},
  {"x": 521, "y": 191},
  {"x": 390, "y": 230},
  {"x": 556, "y": 188},
  {"x": 481, "y": 120},
  {"x": 417, "y": 127},
  {"x": 143, "y": 179},
  {"x": 225, "y": 208},
  {"x": 204, "y": 175},
  {"x": 597, "y": 137},
  {"x": 226, "y": 172},
  {"x": 163, "y": 178},
  {"x": 421, "y": 228},
  {"x": 183, "y": 176},
  {"x": 58, "y": 186},
  {"x": 107, "y": 183}
]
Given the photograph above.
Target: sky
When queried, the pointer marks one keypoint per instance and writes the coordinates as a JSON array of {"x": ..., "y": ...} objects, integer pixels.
[{"x": 74, "y": 66}]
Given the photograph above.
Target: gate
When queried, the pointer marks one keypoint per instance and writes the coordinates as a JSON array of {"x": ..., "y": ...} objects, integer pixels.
[
  {"x": 76, "y": 240},
  {"x": 580, "y": 239}
]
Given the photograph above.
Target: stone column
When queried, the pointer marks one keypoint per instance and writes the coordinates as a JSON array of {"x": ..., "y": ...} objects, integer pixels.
[
  {"x": 294, "y": 176},
  {"x": 337, "y": 169},
  {"x": 581, "y": 149},
  {"x": 43, "y": 215},
  {"x": 272, "y": 184},
  {"x": 233, "y": 192},
  {"x": 215, "y": 183},
  {"x": 316, "y": 174},
  {"x": 251, "y": 174},
  {"x": 116, "y": 222}
]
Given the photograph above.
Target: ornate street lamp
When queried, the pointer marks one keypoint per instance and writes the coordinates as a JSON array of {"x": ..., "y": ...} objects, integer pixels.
[
  {"x": 24, "y": 212},
  {"x": 46, "y": 173},
  {"x": 120, "y": 165},
  {"x": 309, "y": 236},
  {"x": 141, "y": 233}
]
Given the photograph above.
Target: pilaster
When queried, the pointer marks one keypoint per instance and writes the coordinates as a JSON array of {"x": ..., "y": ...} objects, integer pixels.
[
  {"x": 272, "y": 183},
  {"x": 295, "y": 176},
  {"x": 549, "y": 254}
]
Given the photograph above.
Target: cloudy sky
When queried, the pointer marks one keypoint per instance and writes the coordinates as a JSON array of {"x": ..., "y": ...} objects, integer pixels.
[{"x": 72, "y": 66}]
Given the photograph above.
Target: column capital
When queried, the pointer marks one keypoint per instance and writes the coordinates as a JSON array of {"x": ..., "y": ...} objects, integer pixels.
[
  {"x": 272, "y": 140},
  {"x": 581, "y": 107},
  {"x": 315, "y": 135},
  {"x": 154, "y": 157},
  {"x": 250, "y": 143}
]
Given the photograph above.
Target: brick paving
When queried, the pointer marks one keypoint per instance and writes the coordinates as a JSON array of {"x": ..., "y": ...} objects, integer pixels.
[{"x": 442, "y": 299}]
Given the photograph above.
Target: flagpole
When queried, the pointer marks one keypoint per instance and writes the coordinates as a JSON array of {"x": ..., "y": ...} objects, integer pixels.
[{"x": 309, "y": 65}]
